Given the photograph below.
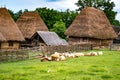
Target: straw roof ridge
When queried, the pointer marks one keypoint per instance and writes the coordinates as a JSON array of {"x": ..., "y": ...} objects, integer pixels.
[
  {"x": 29, "y": 23},
  {"x": 91, "y": 23},
  {"x": 8, "y": 27}
]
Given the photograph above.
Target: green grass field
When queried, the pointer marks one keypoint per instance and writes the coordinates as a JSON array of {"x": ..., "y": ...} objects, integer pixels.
[{"x": 105, "y": 67}]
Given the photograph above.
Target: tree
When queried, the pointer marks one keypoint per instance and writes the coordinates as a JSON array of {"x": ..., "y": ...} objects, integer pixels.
[
  {"x": 50, "y": 16},
  {"x": 11, "y": 13},
  {"x": 59, "y": 28},
  {"x": 105, "y": 5},
  {"x": 68, "y": 16}
]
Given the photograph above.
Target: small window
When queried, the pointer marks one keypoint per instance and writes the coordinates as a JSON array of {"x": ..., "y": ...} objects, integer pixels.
[{"x": 10, "y": 43}]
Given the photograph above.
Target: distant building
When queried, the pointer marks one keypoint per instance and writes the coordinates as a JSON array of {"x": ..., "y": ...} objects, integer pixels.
[
  {"x": 10, "y": 35},
  {"x": 42, "y": 38},
  {"x": 91, "y": 26},
  {"x": 29, "y": 23},
  {"x": 117, "y": 30}
]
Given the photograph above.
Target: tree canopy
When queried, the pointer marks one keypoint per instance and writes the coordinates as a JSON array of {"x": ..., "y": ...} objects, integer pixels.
[{"x": 59, "y": 27}]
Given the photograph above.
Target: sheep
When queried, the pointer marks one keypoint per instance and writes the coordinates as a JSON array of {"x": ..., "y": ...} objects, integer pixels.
[
  {"x": 62, "y": 58},
  {"x": 93, "y": 53},
  {"x": 100, "y": 53},
  {"x": 46, "y": 59},
  {"x": 55, "y": 56},
  {"x": 71, "y": 55},
  {"x": 87, "y": 54},
  {"x": 78, "y": 54},
  {"x": 66, "y": 54}
]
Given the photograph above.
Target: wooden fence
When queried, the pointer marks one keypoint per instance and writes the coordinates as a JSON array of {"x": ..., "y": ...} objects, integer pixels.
[
  {"x": 115, "y": 47},
  {"x": 13, "y": 55},
  {"x": 65, "y": 48}
]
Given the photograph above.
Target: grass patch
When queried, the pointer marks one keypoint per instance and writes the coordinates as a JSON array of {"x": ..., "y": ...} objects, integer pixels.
[{"x": 105, "y": 67}]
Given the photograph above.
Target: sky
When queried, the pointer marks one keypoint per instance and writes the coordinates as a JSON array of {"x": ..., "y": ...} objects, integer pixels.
[{"x": 61, "y": 5}]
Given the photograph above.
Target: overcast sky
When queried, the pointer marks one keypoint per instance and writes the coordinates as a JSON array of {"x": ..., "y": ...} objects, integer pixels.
[{"x": 16, "y": 5}]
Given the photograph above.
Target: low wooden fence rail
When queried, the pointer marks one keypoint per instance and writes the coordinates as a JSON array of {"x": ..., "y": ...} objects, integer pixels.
[
  {"x": 115, "y": 47},
  {"x": 13, "y": 55},
  {"x": 65, "y": 48}
]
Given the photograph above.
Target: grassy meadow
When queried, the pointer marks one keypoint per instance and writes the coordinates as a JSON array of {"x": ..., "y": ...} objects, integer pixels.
[{"x": 105, "y": 67}]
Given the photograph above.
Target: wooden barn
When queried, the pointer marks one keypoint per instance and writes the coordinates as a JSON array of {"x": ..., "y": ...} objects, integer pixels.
[
  {"x": 29, "y": 23},
  {"x": 117, "y": 30},
  {"x": 91, "y": 26},
  {"x": 10, "y": 35},
  {"x": 41, "y": 38}
]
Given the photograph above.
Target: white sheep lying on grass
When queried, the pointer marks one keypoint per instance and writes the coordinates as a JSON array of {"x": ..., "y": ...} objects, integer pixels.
[
  {"x": 63, "y": 56},
  {"x": 55, "y": 57},
  {"x": 78, "y": 54}
]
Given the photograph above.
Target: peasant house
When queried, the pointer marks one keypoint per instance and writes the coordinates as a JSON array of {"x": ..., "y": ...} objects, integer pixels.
[
  {"x": 29, "y": 23},
  {"x": 91, "y": 26},
  {"x": 10, "y": 35}
]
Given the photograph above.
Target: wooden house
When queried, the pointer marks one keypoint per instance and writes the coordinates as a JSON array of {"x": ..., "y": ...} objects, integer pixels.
[
  {"x": 10, "y": 35},
  {"x": 91, "y": 26},
  {"x": 41, "y": 38},
  {"x": 29, "y": 23}
]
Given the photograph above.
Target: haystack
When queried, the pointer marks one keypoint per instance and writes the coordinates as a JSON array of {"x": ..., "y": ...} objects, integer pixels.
[
  {"x": 8, "y": 30},
  {"x": 91, "y": 25},
  {"x": 29, "y": 23}
]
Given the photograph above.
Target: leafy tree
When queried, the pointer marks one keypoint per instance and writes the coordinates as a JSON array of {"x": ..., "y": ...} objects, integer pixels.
[
  {"x": 59, "y": 28},
  {"x": 11, "y": 13},
  {"x": 68, "y": 17},
  {"x": 105, "y": 5},
  {"x": 49, "y": 16}
]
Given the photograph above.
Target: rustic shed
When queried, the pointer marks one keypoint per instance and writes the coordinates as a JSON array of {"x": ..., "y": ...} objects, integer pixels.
[
  {"x": 92, "y": 26},
  {"x": 47, "y": 38},
  {"x": 10, "y": 35},
  {"x": 29, "y": 23}
]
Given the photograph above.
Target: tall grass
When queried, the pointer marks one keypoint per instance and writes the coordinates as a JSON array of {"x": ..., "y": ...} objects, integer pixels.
[{"x": 105, "y": 67}]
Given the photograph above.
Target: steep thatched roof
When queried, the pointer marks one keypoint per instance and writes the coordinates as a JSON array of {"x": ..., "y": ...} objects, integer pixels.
[
  {"x": 51, "y": 38},
  {"x": 29, "y": 23},
  {"x": 8, "y": 27},
  {"x": 91, "y": 23},
  {"x": 2, "y": 38}
]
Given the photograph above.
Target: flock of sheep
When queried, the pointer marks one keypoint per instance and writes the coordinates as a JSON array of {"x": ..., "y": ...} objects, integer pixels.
[{"x": 63, "y": 56}]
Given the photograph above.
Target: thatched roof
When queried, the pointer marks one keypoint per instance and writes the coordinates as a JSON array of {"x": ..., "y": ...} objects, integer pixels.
[
  {"x": 51, "y": 38},
  {"x": 2, "y": 38},
  {"x": 8, "y": 27},
  {"x": 91, "y": 23},
  {"x": 29, "y": 23}
]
